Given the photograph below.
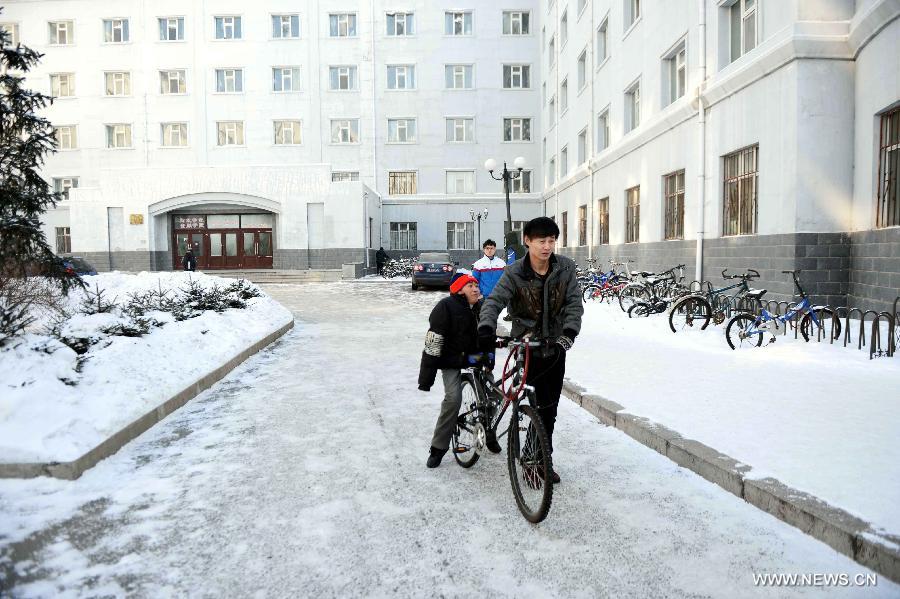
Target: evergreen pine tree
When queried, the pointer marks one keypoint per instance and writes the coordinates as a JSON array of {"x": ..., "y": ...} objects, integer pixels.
[{"x": 25, "y": 139}]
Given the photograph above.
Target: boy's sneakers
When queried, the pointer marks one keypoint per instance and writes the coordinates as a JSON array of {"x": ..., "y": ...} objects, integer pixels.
[{"x": 435, "y": 456}]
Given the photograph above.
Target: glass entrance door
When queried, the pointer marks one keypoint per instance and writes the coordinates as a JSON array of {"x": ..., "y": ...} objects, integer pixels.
[{"x": 256, "y": 249}]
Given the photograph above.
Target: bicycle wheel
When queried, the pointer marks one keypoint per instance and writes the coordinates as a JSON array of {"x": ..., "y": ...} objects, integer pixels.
[
  {"x": 826, "y": 317},
  {"x": 735, "y": 335},
  {"x": 464, "y": 442},
  {"x": 530, "y": 464},
  {"x": 632, "y": 293},
  {"x": 691, "y": 312},
  {"x": 592, "y": 292},
  {"x": 638, "y": 309}
]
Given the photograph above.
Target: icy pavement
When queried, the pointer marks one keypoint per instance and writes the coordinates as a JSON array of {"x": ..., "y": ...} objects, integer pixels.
[{"x": 302, "y": 474}]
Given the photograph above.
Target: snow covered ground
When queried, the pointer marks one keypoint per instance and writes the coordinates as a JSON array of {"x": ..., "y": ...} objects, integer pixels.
[
  {"x": 823, "y": 419},
  {"x": 56, "y": 405},
  {"x": 303, "y": 474}
]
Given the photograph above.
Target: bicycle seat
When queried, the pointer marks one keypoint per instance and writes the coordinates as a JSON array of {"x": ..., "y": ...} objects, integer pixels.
[{"x": 756, "y": 293}]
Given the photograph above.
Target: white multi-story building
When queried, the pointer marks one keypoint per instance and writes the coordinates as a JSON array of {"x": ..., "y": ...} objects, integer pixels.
[
  {"x": 285, "y": 134},
  {"x": 728, "y": 134}
]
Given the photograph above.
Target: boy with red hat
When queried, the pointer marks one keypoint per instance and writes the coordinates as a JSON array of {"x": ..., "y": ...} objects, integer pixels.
[{"x": 452, "y": 334}]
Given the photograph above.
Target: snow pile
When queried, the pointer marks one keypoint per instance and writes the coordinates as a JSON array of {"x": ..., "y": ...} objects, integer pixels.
[
  {"x": 60, "y": 399},
  {"x": 818, "y": 417}
]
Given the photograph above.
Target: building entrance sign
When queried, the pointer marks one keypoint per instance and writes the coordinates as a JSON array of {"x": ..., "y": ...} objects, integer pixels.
[{"x": 224, "y": 241}]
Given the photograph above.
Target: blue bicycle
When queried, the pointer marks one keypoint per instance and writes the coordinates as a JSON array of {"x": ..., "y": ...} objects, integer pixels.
[{"x": 746, "y": 330}]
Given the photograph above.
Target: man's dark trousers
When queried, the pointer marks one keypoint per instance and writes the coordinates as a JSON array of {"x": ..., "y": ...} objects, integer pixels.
[{"x": 546, "y": 374}]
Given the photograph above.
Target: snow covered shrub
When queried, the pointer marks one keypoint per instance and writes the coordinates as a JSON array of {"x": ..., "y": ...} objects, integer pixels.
[
  {"x": 14, "y": 317},
  {"x": 244, "y": 289},
  {"x": 96, "y": 302}
]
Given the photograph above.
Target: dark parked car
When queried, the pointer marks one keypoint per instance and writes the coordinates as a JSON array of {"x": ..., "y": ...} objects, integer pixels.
[
  {"x": 79, "y": 266},
  {"x": 434, "y": 269}
]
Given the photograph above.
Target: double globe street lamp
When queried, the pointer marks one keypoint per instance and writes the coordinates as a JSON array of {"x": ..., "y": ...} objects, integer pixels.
[
  {"x": 478, "y": 217},
  {"x": 510, "y": 239}
]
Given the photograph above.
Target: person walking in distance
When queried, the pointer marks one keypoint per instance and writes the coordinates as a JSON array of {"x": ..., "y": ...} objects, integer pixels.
[
  {"x": 451, "y": 337},
  {"x": 381, "y": 258},
  {"x": 541, "y": 294},
  {"x": 488, "y": 268},
  {"x": 189, "y": 262}
]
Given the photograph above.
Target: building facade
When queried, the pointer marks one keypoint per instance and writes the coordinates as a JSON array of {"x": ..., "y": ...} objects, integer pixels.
[
  {"x": 282, "y": 134},
  {"x": 728, "y": 134}
]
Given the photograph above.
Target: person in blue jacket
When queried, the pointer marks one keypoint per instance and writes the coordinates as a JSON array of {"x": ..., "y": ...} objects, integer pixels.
[{"x": 488, "y": 268}]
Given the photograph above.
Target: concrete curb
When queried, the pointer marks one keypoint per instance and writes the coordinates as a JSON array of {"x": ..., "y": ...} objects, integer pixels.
[
  {"x": 74, "y": 469},
  {"x": 842, "y": 531}
]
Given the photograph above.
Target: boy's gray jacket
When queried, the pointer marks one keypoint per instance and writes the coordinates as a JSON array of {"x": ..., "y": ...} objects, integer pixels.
[{"x": 546, "y": 310}]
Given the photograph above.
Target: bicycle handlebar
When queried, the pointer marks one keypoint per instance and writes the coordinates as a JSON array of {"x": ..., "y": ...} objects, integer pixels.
[
  {"x": 750, "y": 274},
  {"x": 505, "y": 341}
]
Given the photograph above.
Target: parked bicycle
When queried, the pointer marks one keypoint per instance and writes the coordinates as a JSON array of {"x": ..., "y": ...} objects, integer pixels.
[
  {"x": 484, "y": 403},
  {"x": 666, "y": 284},
  {"x": 746, "y": 330},
  {"x": 695, "y": 311},
  {"x": 607, "y": 285}
]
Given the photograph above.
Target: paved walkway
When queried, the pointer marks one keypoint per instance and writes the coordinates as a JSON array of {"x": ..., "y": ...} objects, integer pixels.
[{"x": 302, "y": 474}]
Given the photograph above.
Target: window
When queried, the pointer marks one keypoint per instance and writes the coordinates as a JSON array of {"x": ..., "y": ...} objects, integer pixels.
[
  {"x": 401, "y": 131},
  {"x": 544, "y": 149},
  {"x": 287, "y": 133},
  {"x": 582, "y": 146},
  {"x": 174, "y": 135},
  {"x": 461, "y": 235},
  {"x": 401, "y": 77},
  {"x": 517, "y": 226},
  {"x": 344, "y": 176},
  {"x": 632, "y": 12},
  {"x": 228, "y": 28},
  {"x": 565, "y": 229},
  {"x": 342, "y": 24},
  {"x": 63, "y": 240},
  {"x": 743, "y": 31},
  {"x": 458, "y": 76},
  {"x": 603, "y": 130},
  {"x": 603, "y": 221},
  {"x": 633, "y": 107},
  {"x": 286, "y": 79},
  {"x": 66, "y": 137},
  {"x": 544, "y": 94},
  {"x": 342, "y": 78},
  {"x": 675, "y": 74},
  {"x": 517, "y": 129},
  {"x": 516, "y": 22},
  {"x": 118, "y": 84},
  {"x": 564, "y": 96},
  {"x": 400, "y": 24},
  {"x": 582, "y": 69},
  {"x": 461, "y": 130},
  {"x": 62, "y": 85},
  {"x": 62, "y": 33},
  {"x": 551, "y": 110},
  {"x": 551, "y": 51},
  {"x": 888, "y": 207},
  {"x": 741, "y": 177},
  {"x": 522, "y": 183},
  {"x": 229, "y": 81},
  {"x": 460, "y": 182},
  {"x": 551, "y": 171},
  {"x": 457, "y": 23},
  {"x": 563, "y": 161},
  {"x": 172, "y": 82},
  {"x": 564, "y": 29},
  {"x": 402, "y": 182},
  {"x": 171, "y": 29},
  {"x": 633, "y": 215},
  {"x": 115, "y": 31},
  {"x": 602, "y": 41},
  {"x": 345, "y": 131},
  {"x": 118, "y": 136},
  {"x": 13, "y": 30},
  {"x": 285, "y": 27},
  {"x": 516, "y": 76},
  {"x": 674, "y": 205},
  {"x": 582, "y": 224},
  {"x": 230, "y": 133},
  {"x": 403, "y": 236},
  {"x": 64, "y": 184}
]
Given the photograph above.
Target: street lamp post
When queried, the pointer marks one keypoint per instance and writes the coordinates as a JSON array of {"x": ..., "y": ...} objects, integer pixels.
[
  {"x": 478, "y": 217},
  {"x": 510, "y": 239}
]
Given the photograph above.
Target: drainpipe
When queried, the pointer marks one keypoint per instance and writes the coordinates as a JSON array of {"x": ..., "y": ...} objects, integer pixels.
[
  {"x": 701, "y": 144},
  {"x": 374, "y": 131},
  {"x": 592, "y": 133}
]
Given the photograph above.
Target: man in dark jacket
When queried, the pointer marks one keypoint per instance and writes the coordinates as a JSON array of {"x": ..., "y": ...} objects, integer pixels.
[
  {"x": 542, "y": 296},
  {"x": 381, "y": 258},
  {"x": 451, "y": 336},
  {"x": 189, "y": 262}
]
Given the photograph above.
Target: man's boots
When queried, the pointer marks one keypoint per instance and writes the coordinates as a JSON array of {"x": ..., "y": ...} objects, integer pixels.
[{"x": 435, "y": 456}]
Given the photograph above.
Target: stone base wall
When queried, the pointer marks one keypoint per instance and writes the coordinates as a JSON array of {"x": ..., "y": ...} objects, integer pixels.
[
  {"x": 332, "y": 258},
  {"x": 465, "y": 257},
  {"x": 875, "y": 269}
]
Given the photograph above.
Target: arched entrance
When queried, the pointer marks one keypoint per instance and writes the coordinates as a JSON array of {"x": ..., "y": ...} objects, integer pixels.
[{"x": 224, "y": 231}]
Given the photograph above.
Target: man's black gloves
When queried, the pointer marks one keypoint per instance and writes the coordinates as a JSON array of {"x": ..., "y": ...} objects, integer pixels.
[
  {"x": 487, "y": 339},
  {"x": 566, "y": 340}
]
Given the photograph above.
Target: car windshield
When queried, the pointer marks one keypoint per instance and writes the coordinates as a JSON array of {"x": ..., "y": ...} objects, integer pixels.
[
  {"x": 80, "y": 264},
  {"x": 436, "y": 257}
]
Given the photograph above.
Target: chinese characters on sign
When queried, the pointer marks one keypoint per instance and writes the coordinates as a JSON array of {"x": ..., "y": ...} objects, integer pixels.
[{"x": 190, "y": 222}]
